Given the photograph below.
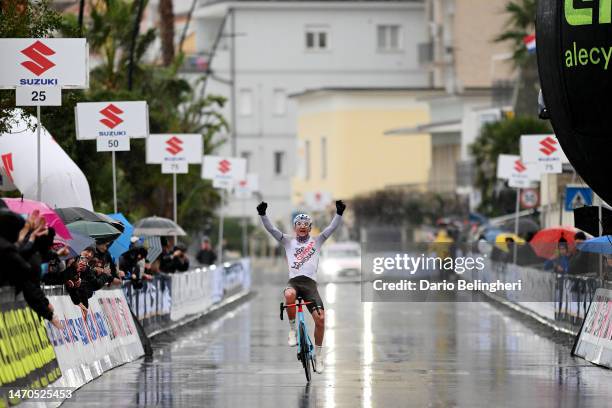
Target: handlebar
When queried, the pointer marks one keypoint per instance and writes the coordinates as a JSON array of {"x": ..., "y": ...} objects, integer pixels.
[{"x": 284, "y": 306}]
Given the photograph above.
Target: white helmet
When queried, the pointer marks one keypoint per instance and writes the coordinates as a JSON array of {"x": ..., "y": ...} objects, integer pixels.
[{"x": 303, "y": 218}]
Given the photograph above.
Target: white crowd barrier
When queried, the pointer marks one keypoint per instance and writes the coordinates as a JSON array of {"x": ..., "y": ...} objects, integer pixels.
[
  {"x": 594, "y": 341},
  {"x": 88, "y": 345}
]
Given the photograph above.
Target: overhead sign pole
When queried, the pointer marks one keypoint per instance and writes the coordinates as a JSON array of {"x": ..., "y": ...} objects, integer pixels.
[
  {"x": 38, "y": 69},
  {"x": 225, "y": 173}
]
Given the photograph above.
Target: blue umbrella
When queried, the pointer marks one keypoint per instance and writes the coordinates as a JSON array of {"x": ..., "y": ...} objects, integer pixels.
[
  {"x": 121, "y": 244},
  {"x": 599, "y": 245}
]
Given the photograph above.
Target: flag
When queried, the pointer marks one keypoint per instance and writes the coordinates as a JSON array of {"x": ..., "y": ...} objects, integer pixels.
[{"x": 530, "y": 43}]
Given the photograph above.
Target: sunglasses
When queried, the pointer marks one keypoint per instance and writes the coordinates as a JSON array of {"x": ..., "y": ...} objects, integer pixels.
[{"x": 302, "y": 224}]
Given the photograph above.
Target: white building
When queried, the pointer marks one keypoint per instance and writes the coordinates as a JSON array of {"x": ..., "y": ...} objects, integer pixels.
[{"x": 272, "y": 49}]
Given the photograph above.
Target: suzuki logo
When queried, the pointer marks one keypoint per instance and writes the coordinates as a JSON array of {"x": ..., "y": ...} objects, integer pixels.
[
  {"x": 7, "y": 161},
  {"x": 175, "y": 145},
  {"x": 36, "y": 53},
  {"x": 519, "y": 166},
  {"x": 242, "y": 183},
  {"x": 224, "y": 166},
  {"x": 110, "y": 116},
  {"x": 548, "y": 146}
]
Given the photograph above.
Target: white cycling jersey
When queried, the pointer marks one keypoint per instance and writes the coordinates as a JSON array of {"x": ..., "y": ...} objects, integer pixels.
[{"x": 303, "y": 257}]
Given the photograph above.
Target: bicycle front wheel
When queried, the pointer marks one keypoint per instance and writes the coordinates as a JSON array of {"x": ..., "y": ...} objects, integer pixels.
[{"x": 304, "y": 352}]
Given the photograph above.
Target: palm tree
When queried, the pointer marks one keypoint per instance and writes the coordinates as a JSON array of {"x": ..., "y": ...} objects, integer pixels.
[
  {"x": 521, "y": 23},
  {"x": 166, "y": 31}
]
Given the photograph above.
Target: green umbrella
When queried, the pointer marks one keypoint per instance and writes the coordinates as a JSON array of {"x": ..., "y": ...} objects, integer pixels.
[{"x": 95, "y": 230}]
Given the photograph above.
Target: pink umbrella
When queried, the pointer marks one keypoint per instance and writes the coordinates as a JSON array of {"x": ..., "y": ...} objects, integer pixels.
[{"x": 25, "y": 206}]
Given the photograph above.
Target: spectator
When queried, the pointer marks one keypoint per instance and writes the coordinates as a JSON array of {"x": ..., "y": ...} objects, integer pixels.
[
  {"x": 172, "y": 259},
  {"x": 132, "y": 263},
  {"x": 526, "y": 254},
  {"x": 583, "y": 262},
  {"x": 102, "y": 263},
  {"x": 206, "y": 256},
  {"x": 560, "y": 264},
  {"x": 21, "y": 260}
]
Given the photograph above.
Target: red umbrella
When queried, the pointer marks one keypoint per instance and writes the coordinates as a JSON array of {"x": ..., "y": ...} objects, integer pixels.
[
  {"x": 24, "y": 206},
  {"x": 545, "y": 242}
]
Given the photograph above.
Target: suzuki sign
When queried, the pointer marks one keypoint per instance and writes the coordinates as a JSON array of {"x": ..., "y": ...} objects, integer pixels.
[
  {"x": 225, "y": 172},
  {"x": 36, "y": 62},
  {"x": 174, "y": 151},
  {"x": 112, "y": 119},
  {"x": 518, "y": 173},
  {"x": 544, "y": 151}
]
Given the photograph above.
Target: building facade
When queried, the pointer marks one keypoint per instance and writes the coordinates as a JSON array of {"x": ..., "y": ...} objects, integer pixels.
[{"x": 260, "y": 52}]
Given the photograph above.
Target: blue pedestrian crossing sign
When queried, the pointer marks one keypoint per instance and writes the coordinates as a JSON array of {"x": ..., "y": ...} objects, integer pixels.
[{"x": 576, "y": 197}]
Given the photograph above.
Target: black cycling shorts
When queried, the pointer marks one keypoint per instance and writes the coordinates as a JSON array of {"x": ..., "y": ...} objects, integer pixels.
[{"x": 306, "y": 288}]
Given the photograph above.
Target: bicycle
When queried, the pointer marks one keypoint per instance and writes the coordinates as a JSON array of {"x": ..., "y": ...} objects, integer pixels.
[{"x": 305, "y": 348}]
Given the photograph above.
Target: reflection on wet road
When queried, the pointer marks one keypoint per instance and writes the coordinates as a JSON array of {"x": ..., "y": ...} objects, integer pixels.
[{"x": 378, "y": 355}]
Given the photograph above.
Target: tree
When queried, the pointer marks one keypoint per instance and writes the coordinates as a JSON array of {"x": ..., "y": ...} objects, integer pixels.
[
  {"x": 502, "y": 137},
  {"x": 166, "y": 28},
  {"x": 174, "y": 106},
  {"x": 521, "y": 22}
]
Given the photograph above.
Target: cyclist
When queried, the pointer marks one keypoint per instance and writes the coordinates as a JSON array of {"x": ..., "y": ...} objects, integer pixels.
[{"x": 302, "y": 252}]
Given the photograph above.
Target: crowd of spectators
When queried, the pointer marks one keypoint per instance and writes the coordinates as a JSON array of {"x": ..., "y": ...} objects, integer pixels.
[{"x": 31, "y": 257}]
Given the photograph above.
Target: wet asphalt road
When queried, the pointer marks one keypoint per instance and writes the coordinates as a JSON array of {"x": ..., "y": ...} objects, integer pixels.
[{"x": 378, "y": 355}]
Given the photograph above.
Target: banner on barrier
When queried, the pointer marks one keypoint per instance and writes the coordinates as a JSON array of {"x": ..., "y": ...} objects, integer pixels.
[
  {"x": 92, "y": 343},
  {"x": 28, "y": 360},
  {"x": 594, "y": 341}
]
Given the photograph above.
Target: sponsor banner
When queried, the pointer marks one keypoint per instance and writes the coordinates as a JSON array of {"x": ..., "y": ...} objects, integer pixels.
[
  {"x": 95, "y": 120},
  {"x": 594, "y": 341},
  {"x": 519, "y": 174},
  {"x": 90, "y": 344},
  {"x": 167, "y": 149},
  {"x": 28, "y": 360},
  {"x": 246, "y": 187},
  {"x": 224, "y": 171},
  {"x": 544, "y": 151},
  {"x": 61, "y": 62},
  {"x": 318, "y": 200}
]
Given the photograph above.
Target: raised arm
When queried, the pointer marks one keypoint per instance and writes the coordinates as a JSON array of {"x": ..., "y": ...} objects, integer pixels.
[
  {"x": 335, "y": 223},
  {"x": 275, "y": 232}
]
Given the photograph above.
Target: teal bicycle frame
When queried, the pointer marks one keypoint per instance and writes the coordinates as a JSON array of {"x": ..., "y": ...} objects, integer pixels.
[{"x": 305, "y": 347}]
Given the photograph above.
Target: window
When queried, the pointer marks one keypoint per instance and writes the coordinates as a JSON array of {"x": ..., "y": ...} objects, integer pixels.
[
  {"x": 247, "y": 157},
  {"x": 323, "y": 157},
  {"x": 307, "y": 159},
  {"x": 389, "y": 37},
  {"x": 246, "y": 102},
  {"x": 317, "y": 38},
  {"x": 280, "y": 102},
  {"x": 279, "y": 158}
]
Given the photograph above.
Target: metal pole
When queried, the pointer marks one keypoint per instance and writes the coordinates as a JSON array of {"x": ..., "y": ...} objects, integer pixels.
[
  {"x": 244, "y": 229},
  {"x": 516, "y": 219},
  {"x": 114, "y": 182},
  {"x": 221, "y": 215},
  {"x": 38, "y": 158},
  {"x": 600, "y": 223},
  {"x": 233, "y": 81},
  {"x": 174, "y": 202}
]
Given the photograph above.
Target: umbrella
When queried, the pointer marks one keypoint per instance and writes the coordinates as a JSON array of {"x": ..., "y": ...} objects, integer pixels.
[
  {"x": 121, "y": 244},
  {"x": 75, "y": 245},
  {"x": 95, "y": 230},
  {"x": 587, "y": 219},
  {"x": 500, "y": 240},
  {"x": 490, "y": 235},
  {"x": 154, "y": 248},
  {"x": 525, "y": 227},
  {"x": 157, "y": 226},
  {"x": 63, "y": 182},
  {"x": 72, "y": 214},
  {"x": 545, "y": 242},
  {"x": 24, "y": 206},
  {"x": 599, "y": 245}
]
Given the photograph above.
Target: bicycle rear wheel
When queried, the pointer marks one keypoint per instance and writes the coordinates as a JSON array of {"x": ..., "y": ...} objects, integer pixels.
[{"x": 304, "y": 352}]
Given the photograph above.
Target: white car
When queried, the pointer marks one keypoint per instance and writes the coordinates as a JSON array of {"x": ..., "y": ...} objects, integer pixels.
[{"x": 340, "y": 262}]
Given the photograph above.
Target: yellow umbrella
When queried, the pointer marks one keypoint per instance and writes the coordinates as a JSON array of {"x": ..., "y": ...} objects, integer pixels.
[{"x": 500, "y": 240}]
